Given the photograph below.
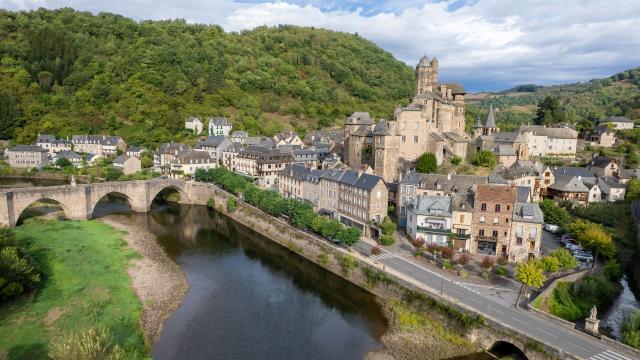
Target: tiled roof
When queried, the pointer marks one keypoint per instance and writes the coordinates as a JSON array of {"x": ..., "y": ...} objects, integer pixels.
[
  {"x": 27, "y": 148},
  {"x": 527, "y": 212},
  {"x": 551, "y": 132},
  {"x": 570, "y": 171},
  {"x": 615, "y": 119},
  {"x": 359, "y": 118},
  {"x": 569, "y": 184},
  {"x": 434, "y": 205}
]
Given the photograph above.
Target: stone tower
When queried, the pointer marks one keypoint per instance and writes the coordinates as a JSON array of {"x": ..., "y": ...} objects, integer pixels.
[
  {"x": 386, "y": 142},
  {"x": 478, "y": 128},
  {"x": 426, "y": 75},
  {"x": 490, "y": 127}
]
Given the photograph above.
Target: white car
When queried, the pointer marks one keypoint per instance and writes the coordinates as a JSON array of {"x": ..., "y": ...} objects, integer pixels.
[
  {"x": 572, "y": 247},
  {"x": 552, "y": 228}
]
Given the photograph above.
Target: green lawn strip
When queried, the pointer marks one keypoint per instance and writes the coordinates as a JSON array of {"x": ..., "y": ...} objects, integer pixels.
[{"x": 85, "y": 284}]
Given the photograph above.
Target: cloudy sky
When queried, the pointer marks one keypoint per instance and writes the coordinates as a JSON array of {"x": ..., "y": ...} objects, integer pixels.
[{"x": 484, "y": 44}]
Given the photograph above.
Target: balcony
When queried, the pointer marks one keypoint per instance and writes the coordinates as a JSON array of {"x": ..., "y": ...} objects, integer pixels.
[
  {"x": 461, "y": 236},
  {"x": 487, "y": 238},
  {"x": 433, "y": 230}
]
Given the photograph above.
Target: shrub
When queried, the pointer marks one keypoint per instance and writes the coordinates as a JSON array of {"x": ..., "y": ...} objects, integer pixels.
[
  {"x": 485, "y": 275},
  {"x": 613, "y": 270},
  {"x": 464, "y": 258},
  {"x": 502, "y": 261},
  {"x": 566, "y": 261},
  {"x": 376, "y": 250},
  {"x": 447, "y": 265},
  {"x": 386, "y": 240},
  {"x": 90, "y": 344},
  {"x": 456, "y": 160},
  {"x": 418, "y": 243},
  {"x": 447, "y": 253},
  {"x": 331, "y": 228},
  {"x": 211, "y": 203},
  {"x": 630, "y": 329},
  {"x": 487, "y": 262},
  {"x": 484, "y": 158},
  {"x": 349, "y": 236},
  {"x": 347, "y": 263},
  {"x": 18, "y": 274},
  {"x": 232, "y": 204},
  {"x": 550, "y": 264},
  {"x": 323, "y": 259},
  {"x": 427, "y": 163},
  {"x": 433, "y": 248},
  {"x": 463, "y": 273},
  {"x": 388, "y": 227},
  {"x": 573, "y": 301},
  {"x": 502, "y": 271}
]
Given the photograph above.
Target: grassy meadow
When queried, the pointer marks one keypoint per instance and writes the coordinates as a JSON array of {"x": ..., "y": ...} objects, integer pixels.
[{"x": 84, "y": 285}]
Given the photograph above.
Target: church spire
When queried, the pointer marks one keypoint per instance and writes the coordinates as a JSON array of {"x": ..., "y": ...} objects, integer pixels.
[{"x": 491, "y": 118}]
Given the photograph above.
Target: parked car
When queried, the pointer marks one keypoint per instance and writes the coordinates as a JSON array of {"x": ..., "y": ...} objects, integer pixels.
[
  {"x": 567, "y": 239},
  {"x": 552, "y": 228},
  {"x": 572, "y": 247},
  {"x": 583, "y": 256}
]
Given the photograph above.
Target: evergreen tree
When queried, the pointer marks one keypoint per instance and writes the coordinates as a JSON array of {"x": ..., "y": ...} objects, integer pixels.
[{"x": 427, "y": 163}]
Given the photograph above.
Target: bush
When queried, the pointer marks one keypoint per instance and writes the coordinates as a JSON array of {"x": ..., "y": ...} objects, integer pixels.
[
  {"x": 555, "y": 215},
  {"x": 613, "y": 270},
  {"x": 485, "y": 275},
  {"x": 323, "y": 259},
  {"x": 331, "y": 228},
  {"x": 456, "y": 160},
  {"x": 386, "y": 240},
  {"x": 92, "y": 344},
  {"x": 550, "y": 264},
  {"x": 484, "y": 158},
  {"x": 447, "y": 253},
  {"x": 447, "y": 265},
  {"x": 502, "y": 271},
  {"x": 376, "y": 250},
  {"x": 347, "y": 263},
  {"x": 211, "y": 203},
  {"x": 573, "y": 301},
  {"x": 463, "y": 273},
  {"x": 502, "y": 261},
  {"x": 349, "y": 236},
  {"x": 487, "y": 262},
  {"x": 630, "y": 329},
  {"x": 427, "y": 163},
  {"x": 232, "y": 204},
  {"x": 18, "y": 274},
  {"x": 388, "y": 227},
  {"x": 418, "y": 243},
  {"x": 464, "y": 258},
  {"x": 566, "y": 261}
]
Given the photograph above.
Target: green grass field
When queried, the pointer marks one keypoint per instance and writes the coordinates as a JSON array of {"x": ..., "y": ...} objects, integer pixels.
[{"x": 84, "y": 285}]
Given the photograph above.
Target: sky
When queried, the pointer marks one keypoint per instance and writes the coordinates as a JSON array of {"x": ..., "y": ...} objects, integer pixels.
[{"x": 485, "y": 45}]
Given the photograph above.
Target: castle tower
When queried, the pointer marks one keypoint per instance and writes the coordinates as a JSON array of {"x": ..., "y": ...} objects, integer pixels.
[
  {"x": 426, "y": 75},
  {"x": 478, "y": 128},
  {"x": 386, "y": 150}
]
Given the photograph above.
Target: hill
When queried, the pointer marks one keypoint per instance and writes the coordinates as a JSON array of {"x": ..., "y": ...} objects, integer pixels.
[
  {"x": 615, "y": 95},
  {"x": 66, "y": 72}
]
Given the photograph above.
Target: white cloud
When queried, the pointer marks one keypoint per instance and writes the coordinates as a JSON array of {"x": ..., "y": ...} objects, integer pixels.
[{"x": 483, "y": 44}]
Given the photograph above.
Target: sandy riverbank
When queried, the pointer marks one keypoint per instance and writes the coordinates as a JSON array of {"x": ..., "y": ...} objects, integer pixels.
[{"x": 158, "y": 281}]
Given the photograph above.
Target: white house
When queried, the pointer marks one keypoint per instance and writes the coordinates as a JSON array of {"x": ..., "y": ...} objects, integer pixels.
[
  {"x": 188, "y": 161},
  {"x": 51, "y": 144},
  {"x": 548, "y": 141},
  {"x": 219, "y": 126},
  {"x": 429, "y": 219},
  {"x": 612, "y": 189},
  {"x": 194, "y": 124},
  {"x": 618, "y": 122},
  {"x": 128, "y": 164},
  {"x": 74, "y": 158}
]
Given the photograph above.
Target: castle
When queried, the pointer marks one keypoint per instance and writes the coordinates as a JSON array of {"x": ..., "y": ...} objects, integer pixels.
[{"x": 433, "y": 122}]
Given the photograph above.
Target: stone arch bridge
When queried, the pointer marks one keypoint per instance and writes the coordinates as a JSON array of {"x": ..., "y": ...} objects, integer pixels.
[{"x": 78, "y": 201}]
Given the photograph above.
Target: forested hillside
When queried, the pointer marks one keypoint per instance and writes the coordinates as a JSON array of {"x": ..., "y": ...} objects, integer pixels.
[
  {"x": 66, "y": 72},
  {"x": 580, "y": 102}
]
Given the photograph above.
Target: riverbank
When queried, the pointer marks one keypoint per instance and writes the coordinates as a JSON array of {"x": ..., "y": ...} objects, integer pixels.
[
  {"x": 84, "y": 286},
  {"x": 157, "y": 280}
]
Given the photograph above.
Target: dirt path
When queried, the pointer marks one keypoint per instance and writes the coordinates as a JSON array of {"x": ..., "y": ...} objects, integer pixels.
[{"x": 156, "y": 279}]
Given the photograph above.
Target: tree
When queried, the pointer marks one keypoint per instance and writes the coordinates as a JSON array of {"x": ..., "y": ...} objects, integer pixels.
[
  {"x": 112, "y": 174},
  {"x": 63, "y": 162},
  {"x": 427, "y": 163},
  {"x": 349, "y": 236},
  {"x": 330, "y": 228},
  {"x": 388, "y": 227},
  {"x": 593, "y": 237},
  {"x": 484, "y": 158},
  {"x": 487, "y": 262},
  {"x": 633, "y": 190},
  {"x": 530, "y": 274},
  {"x": 549, "y": 112},
  {"x": 566, "y": 261},
  {"x": 553, "y": 214},
  {"x": 550, "y": 264}
]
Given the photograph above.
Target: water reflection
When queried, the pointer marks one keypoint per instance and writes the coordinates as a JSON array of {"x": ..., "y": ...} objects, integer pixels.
[{"x": 252, "y": 299}]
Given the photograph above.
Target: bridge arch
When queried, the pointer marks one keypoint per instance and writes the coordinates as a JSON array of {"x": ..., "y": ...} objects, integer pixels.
[
  {"x": 118, "y": 194},
  {"x": 503, "y": 349},
  {"x": 154, "y": 191},
  {"x": 20, "y": 210}
]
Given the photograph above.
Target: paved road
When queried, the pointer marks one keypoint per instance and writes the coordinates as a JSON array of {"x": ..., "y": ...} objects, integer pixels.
[{"x": 571, "y": 342}]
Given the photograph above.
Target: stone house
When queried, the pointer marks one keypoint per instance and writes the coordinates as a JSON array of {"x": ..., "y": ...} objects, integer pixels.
[
  {"x": 461, "y": 221},
  {"x": 429, "y": 219},
  {"x": 602, "y": 135},
  {"x": 230, "y": 155},
  {"x": 186, "y": 162},
  {"x": 330, "y": 191},
  {"x": 215, "y": 145},
  {"x": 603, "y": 166},
  {"x": 27, "y": 156},
  {"x": 612, "y": 189},
  {"x": 134, "y": 151},
  {"x": 617, "y": 122},
  {"x": 291, "y": 181},
  {"x": 493, "y": 211},
  {"x": 52, "y": 145},
  {"x": 569, "y": 188},
  {"x": 307, "y": 156},
  {"x": 363, "y": 199},
  {"x": 98, "y": 144},
  {"x": 165, "y": 154},
  {"x": 526, "y": 229},
  {"x": 74, "y": 158},
  {"x": 505, "y": 155},
  {"x": 414, "y": 184},
  {"x": 529, "y": 174},
  {"x": 194, "y": 124},
  {"x": 263, "y": 164},
  {"x": 128, "y": 164},
  {"x": 550, "y": 141},
  {"x": 219, "y": 126}
]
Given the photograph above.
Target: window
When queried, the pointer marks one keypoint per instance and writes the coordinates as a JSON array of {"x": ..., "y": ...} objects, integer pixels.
[
  {"x": 482, "y": 219},
  {"x": 495, "y": 221},
  {"x": 481, "y": 232},
  {"x": 404, "y": 125},
  {"x": 533, "y": 233},
  {"x": 417, "y": 125},
  {"x": 519, "y": 241},
  {"x": 415, "y": 139},
  {"x": 483, "y": 207},
  {"x": 404, "y": 138},
  {"x": 497, "y": 207},
  {"x": 494, "y": 234}
]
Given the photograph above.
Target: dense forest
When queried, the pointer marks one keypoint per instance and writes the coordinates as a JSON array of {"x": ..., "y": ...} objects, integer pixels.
[
  {"x": 579, "y": 102},
  {"x": 66, "y": 72}
]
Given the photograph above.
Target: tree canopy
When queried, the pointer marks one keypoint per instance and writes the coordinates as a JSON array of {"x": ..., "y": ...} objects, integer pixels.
[
  {"x": 484, "y": 158},
  {"x": 427, "y": 163},
  {"x": 66, "y": 72}
]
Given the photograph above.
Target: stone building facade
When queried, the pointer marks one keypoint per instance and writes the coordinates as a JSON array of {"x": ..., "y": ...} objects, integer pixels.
[
  {"x": 433, "y": 122},
  {"x": 491, "y": 219},
  {"x": 28, "y": 156}
]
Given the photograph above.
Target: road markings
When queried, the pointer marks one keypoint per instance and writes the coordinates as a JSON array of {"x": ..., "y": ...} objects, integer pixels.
[
  {"x": 386, "y": 255},
  {"x": 609, "y": 355},
  {"x": 544, "y": 331},
  {"x": 520, "y": 321}
]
